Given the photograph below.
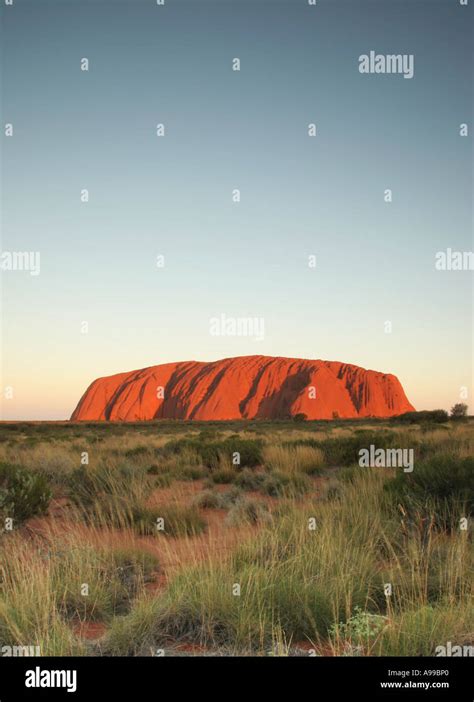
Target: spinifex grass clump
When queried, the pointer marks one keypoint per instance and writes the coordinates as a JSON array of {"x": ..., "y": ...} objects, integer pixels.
[
  {"x": 173, "y": 520},
  {"x": 112, "y": 579},
  {"x": 223, "y": 476},
  {"x": 117, "y": 497},
  {"x": 211, "y": 499},
  {"x": 246, "y": 510},
  {"x": 47, "y": 586},
  {"x": 295, "y": 458},
  {"x": 210, "y": 451},
  {"x": 277, "y": 484}
]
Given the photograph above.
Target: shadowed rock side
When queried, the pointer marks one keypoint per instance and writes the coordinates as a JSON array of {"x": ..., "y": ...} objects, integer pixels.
[{"x": 247, "y": 387}]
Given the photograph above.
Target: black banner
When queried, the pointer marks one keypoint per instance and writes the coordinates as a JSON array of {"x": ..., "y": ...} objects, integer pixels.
[{"x": 142, "y": 678}]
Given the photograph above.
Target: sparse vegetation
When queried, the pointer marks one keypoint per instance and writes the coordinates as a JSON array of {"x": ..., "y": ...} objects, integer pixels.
[{"x": 164, "y": 522}]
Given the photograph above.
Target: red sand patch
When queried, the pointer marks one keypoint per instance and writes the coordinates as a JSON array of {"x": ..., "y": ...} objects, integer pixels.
[{"x": 89, "y": 630}]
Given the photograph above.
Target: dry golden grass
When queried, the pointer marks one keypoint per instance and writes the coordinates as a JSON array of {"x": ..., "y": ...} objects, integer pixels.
[
  {"x": 299, "y": 587},
  {"x": 293, "y": 459}
]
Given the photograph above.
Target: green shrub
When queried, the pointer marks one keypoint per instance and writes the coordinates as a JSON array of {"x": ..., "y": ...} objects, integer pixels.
[
  {"x": 209, "y": 499},
  {"x": 177, "y": 447},
  {"x": 191, "y": 473},
  {"x": 250, "y": 450},
  {"x": 359, "y": 632},
  {"x": 248, "y": 511},
  {"x": 459, "y": 411},
  {"x": 275, "y": 484},
  {"x": 435, "y": 416},
  {"x": 442, "y": 486},
  {"x": 300, "y": 417},
  {"x": 344, "y": 450},
  {"x": 223, "y": 476},
  {"x": 23, "y": 493},
  {"x": 249, "y": 480},
  {"x": 230, "y": 497}
]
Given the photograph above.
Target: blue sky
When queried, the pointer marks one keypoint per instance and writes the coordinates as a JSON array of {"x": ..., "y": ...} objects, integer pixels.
[{"x": 224, "y": 129}]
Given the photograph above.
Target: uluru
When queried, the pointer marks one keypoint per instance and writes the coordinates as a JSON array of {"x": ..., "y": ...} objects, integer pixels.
[{"x": 245, "y": 387}]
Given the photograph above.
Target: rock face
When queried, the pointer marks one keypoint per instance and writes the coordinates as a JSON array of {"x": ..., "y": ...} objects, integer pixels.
[{"x": 247, "y": 387}]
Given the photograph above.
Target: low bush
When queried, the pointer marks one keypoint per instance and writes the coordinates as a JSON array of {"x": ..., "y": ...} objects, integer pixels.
[
  {"x": 23, "y": 493},
  {"x": 191, "y": 473},
  {"x": 359, "y": 634},
  {"x": 248, "y": 511},
  {"x": 249, "y": 450},
  {"x": 277, "y": 484},
  {"x": 441, "y": 486},
  {"x": 344, "y": 450},
  {"x": 209, "y": 499},
  {"x": 300, "y": 417},
  {"x": 223, "y": 476},
  {"x": 435, "y": 416},
  {"x": 250, "y": 480}
]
